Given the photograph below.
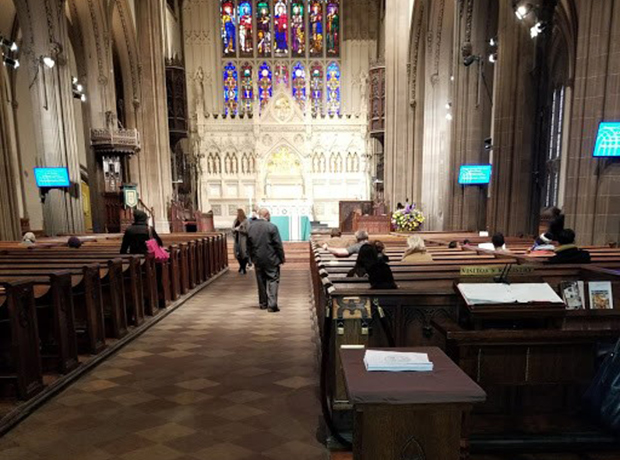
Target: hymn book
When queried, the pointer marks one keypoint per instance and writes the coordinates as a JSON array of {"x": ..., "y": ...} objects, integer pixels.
[
  {"x": 396, "y": 361},
  {"x": 498, "y": 293},
  {"x": 573, "y": 293},
  {"x": 601, "y": 297}
]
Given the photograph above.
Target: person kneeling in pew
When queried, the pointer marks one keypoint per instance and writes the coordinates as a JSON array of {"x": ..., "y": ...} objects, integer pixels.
[
  {"x": 361, "y": 236},
  {"x": 568, "y": 252},
  {"x": 369, "y": 264}
]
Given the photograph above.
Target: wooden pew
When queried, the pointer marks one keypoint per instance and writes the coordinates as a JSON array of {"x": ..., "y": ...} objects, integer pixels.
[{"x": 20, "y": 363}]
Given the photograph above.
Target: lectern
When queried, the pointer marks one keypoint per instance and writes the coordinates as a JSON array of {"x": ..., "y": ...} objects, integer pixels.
[{"x": 409, "y": 414}]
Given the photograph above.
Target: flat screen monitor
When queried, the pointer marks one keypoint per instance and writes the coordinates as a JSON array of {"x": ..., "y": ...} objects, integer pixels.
[
  {"x": 52, "y": 177},
  {"x": 475, "y": 174},
  {"x": 608, "y": 140}
]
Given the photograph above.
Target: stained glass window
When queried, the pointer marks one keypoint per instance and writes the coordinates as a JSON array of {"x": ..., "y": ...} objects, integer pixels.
[
  {"x": 316, "y": 28},
  {"x": 281, "y": 73},
  {"x": 246, "y": 47},
  {"x": 280, "y": 27},
  {"x": 298, "y": 29},
  {"x": 316, "y": 87},
  {"x": 332, "y": 26},
  {"x": 264, "y": 84},
  {"x": 299, "y": 84},
  {"x": 231, "y": 90},
  {"x": 227, "y": 13},
  {"x": 263, "y": 28},
  {"x": 333, "y": 89},
  {"x": 247, "y": 90}
]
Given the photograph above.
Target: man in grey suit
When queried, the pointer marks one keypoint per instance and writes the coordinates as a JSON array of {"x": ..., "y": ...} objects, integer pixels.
[{"x": 267, "y": 252}]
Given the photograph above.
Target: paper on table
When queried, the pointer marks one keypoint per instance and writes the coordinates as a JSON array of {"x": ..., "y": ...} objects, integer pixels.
[
  {"x": 378, "y": 360},
  {"x": 486, "y": 293},
  {"x": 535, "y": 292}
]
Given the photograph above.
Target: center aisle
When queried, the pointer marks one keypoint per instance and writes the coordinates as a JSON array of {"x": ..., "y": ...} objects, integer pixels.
[{"x": 218, "y": 379}]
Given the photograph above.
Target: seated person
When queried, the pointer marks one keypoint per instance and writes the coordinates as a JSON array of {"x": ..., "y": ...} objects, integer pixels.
[
  {"x": 380, "y": 247},
  {"x": 567, "y": 252},
  {"x": 416, "y": 250},
  {"x": 361, "y": 237},
  {"x": 498, "y": 243},
  {"x": 380, "y": 276},
  {"x": 367, "y": 257}
]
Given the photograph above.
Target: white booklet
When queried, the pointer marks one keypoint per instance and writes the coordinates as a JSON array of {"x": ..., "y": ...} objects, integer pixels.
[
  {"x": 396, "y": 361},
  {"x": 497, "y": 293},
  {"x": 601, "y": 297}
]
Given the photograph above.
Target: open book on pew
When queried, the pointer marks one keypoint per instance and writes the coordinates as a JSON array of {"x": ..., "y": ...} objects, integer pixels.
[
  {"x": 395, "y": 361},
  {"x": 497, "y": 293}
]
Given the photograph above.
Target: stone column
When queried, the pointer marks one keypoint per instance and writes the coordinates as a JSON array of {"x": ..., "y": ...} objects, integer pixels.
[
  {"x": 508, "y": 209},
  {"x": 155, "y": 177},
  {"x": 592, "y": 199},
  {"x": 44, "y": 26},
  {"x": 9, "y": 206},
  {"x": 472, "y": 106},
  {"x": 397, "y": 108}
]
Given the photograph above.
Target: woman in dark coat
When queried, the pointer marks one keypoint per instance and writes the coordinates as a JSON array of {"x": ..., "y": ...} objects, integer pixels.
[
  {"x": 136, "y": 236},
  {"x": 240, "y": 232}
]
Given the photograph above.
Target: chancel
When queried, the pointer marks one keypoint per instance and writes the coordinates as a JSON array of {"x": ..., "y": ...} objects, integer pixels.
[{"x": 314, "y": 229}]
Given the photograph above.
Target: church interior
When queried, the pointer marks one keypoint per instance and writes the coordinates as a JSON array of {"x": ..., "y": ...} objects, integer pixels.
[{"x": 311, "y": 229}]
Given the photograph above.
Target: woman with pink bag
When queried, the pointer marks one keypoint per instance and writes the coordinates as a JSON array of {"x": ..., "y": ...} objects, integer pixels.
[{"x": 140, "y": 238}]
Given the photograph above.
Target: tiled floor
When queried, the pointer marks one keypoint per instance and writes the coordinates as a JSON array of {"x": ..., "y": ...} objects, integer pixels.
[{"x": 218, "y": 379}]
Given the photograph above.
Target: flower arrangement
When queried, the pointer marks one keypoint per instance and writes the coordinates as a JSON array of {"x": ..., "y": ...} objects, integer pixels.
[{"x": 408, "y": 219}]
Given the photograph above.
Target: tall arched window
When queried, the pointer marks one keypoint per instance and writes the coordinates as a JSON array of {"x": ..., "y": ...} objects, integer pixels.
[
  {"x": 333, "y": 89},
  {"x": 280, "y": 28},
  {"x": 247, "y": 88},
  {"x": 231, "y": 90},
  {"x": 246, "y": 42},
  {"x": 263, "y": 28},
  {"x": 264, "y": 84},
  {"x": 298, "y": 29},
  {"x": 316, "y": 28},
  {"x": 554, "y": 148},
  {"x": 299, "y": 84},
  {"x": 266, "y": 41},
  {"x": 316, "y": 87},
  {"x": 332, "y": 26},
  {"x": 227, "y": 16}
]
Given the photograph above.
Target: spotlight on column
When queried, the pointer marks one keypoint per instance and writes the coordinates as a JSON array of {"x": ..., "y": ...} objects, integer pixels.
[
  {"x": 493, "y": 41},
  {"x": 449, "y": 116},
  {"x": 83, "y": 98},
  {"x": 493, "y": 58},
  {"x": 48, "y": 61},
  {"x": 10, "y": 62},
  {"x": 488, "y": 144},
  {"x": 522, "y": 10},
  {"x": 537, "y": 29},
  {"x": 469, "y": 60},
  {"x": 448, "y": 105},
  {"x": 8, "y": 44}
]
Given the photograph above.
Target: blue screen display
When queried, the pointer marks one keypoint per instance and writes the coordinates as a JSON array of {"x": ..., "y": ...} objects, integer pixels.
[
  {"x": 608, "y": 140},
  {"x": 52, "y": 177},
  {"x": 475, "y": 174}
]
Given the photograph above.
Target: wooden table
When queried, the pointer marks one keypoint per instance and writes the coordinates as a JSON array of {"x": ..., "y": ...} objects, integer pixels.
[{"x": 402, "y": 415}]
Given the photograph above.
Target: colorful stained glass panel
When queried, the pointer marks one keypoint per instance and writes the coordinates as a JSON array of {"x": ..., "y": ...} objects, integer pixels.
[
  {"x": 299, "y": 84},
  {"x": 246, "y": 47},
  {"x": 316, "y": 28},
  {"x": 333, "y": 89},
  {"x": 231, "y": 90},
  {"x": 263, "y": 28},
  {"x": 227, "y": 17},
  {"x": 316, "y": 87},
  {"x": 332, "y": 26},
  {"x": 264, "y": 84},
  {"x": 298, "y": 29},
  {"x": 281, "y": 74},
  {"x": 247, "y": 89},
  {"x": 280, "y": 27}
]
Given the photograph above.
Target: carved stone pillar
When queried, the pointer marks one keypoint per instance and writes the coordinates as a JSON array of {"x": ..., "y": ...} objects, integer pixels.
[
  {"x": 472, "y": 106},
  {"x": 44, "y": 27},
  {"x": 592, "y": 200},
  {"x": 508, "y": 209},
  {"x": 9, "y": 208},
  {"x": 397, "y": 109},
  {"x": 154, "y": 175}
]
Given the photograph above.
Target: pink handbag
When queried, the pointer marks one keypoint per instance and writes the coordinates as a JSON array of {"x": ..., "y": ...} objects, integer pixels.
[{"x": 159, "y": 253}]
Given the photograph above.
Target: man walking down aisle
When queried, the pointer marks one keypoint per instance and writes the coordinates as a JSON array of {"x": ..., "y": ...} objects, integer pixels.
[{"x": 267, "y": 253}]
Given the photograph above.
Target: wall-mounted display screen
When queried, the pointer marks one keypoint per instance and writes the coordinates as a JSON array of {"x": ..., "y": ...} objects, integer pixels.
[
  {"x": 52, "y": 177},
  {"x": 608, "y": 140},
  {"x": 475, "y": 174}
]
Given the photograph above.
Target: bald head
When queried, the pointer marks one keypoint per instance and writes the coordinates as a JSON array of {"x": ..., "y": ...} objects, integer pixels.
[{"x": 263, "y": 213}]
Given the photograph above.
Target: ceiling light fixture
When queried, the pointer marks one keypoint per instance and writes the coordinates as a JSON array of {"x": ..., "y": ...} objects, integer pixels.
[{"x": 48, "y": 61}]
